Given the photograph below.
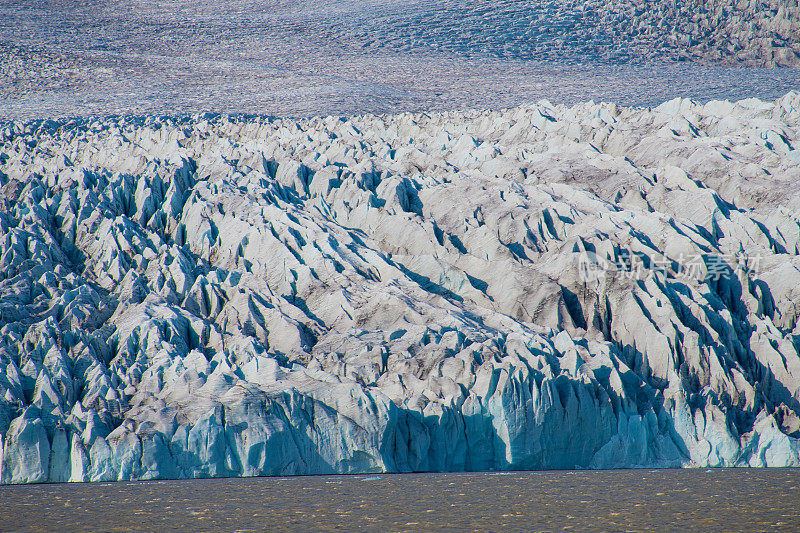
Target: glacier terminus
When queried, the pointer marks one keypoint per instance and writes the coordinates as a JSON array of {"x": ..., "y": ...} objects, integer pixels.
[{"x": 540, "y": 287}]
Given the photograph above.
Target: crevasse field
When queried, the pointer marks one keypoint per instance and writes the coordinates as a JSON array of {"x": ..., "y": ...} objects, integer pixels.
[
  {"x": 304, "y": 58},
  {"x": 556, "y": 284}
]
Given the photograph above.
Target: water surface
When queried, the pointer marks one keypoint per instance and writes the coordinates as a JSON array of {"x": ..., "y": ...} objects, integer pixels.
[{"x": 629, "y": 500}]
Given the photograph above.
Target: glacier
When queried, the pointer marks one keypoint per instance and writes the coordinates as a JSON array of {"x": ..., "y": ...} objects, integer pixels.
[
  {"x": 592, "y": 286},
  {"x": 305, "y": 58}
]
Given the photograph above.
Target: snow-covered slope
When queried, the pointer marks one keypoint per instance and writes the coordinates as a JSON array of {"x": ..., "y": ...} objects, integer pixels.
[
  {"x": 541, "y": 287},
  {"x": 304, "y": 58},
  {"x": 765, "y": 33}
]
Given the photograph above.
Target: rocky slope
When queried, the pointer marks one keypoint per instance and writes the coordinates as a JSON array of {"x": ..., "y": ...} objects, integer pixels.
[{"x": 542, "y": 287}]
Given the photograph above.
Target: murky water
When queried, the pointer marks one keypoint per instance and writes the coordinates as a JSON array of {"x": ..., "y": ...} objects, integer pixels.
[{"x": 631, "y": 500}]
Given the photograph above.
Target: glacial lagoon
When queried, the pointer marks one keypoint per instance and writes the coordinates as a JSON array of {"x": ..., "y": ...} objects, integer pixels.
[{"x": 611, "y": 500}]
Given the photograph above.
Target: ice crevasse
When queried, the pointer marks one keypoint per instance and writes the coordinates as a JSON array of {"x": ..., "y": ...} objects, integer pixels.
[{"x": 541, "y": 287}]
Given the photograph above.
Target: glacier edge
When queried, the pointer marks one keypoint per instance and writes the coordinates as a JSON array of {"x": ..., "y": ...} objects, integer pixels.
[{"x": 236, "y": 296}]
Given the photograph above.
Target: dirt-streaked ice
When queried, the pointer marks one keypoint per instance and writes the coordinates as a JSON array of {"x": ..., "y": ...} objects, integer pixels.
[{"x": 541, "y": 287}]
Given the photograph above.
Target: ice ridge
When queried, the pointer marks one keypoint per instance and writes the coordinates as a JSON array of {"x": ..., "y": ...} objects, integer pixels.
[{"x": 540, "y": 287}]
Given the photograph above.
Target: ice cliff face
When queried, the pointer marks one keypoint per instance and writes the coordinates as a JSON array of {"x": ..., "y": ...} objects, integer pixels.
[{"x": 542, "y": 287}]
